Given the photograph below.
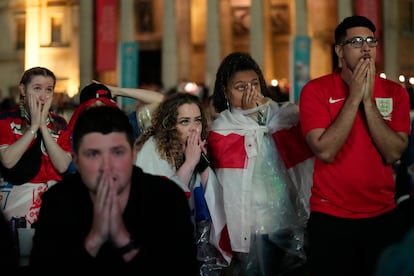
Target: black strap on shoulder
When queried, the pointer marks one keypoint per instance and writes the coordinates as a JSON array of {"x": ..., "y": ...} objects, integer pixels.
[{"x": 27, "y": 167}]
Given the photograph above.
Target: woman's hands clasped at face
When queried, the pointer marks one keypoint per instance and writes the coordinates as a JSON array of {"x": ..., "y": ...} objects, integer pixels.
[
  {"x": 39, "y": 93},
  {"x": 39, "y": 106},
  {"x": 252, "y": 97},
  {"x": 244, "y": 91},
  {"x": 194, "y": 146},
  {"x": 189, "y": 128}
]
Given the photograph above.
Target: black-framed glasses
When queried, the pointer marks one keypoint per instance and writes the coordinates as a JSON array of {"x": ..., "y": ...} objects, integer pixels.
[{"x": 358, "y": 42}]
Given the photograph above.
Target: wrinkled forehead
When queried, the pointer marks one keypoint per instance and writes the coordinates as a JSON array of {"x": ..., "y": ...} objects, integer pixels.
[
  {"x": 40, "y": 80},
  {"x": 99, "y": 141}
]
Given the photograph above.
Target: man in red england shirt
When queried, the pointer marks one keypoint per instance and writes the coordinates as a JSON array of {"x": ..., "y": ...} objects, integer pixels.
[{"x": 357, "y": 125}]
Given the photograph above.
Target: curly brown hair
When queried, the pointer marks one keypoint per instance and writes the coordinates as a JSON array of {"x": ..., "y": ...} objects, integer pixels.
[{"x": 163, "y": 128}]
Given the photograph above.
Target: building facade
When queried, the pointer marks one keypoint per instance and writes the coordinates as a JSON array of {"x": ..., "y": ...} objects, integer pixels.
[{"x": 185, "y": 40}]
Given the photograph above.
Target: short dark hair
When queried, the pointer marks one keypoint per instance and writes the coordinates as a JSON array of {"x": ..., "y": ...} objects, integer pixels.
[
  {"x": 103, "y": 119},
  {"x": 93, "y": 91},
  {"x": 351, "y": 22}
]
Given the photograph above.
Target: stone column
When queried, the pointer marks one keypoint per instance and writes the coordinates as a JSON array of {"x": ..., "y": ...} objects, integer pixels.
[
  {"x": 391, "y": 40},
  {"x": 169, "y": 46},
  {"x": 226, "y": 30},
  {"x": 127, "y": 20},
  {"x": 301, "y": 18},
  {"x": 344, "y": 9},
  {"x": 184, "y": 43},
  {"x": 33, "y": 19},
  {"x": 256, "y": 32},
  {"x": 269, "y": 62},
  {"x": 86, "y": 42},
  {"x": 213, "y": 48}
]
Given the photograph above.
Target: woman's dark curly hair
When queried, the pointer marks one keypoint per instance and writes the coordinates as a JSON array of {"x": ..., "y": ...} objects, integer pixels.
[
  {"x": 163, "y": 128},
  {"x": 231, "y": 64}
]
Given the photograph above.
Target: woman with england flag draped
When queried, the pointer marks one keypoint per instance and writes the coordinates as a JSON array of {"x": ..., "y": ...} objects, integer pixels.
[{"x": 265, "y": 169}]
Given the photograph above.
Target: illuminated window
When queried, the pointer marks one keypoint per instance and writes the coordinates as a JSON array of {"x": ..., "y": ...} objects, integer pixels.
[
  {"x": 20, "y": 33},
  {"x": 407, "y": 16},
  {"x": 56, "y": 32}
]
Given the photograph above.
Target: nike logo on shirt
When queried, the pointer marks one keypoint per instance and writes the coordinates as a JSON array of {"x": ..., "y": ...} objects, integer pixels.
[{"x": 335, "y": 100}]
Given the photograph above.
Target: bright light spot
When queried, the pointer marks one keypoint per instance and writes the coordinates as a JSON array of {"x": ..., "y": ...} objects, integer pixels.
[
  {"x": 401, "y": 78},
  {"x": 274, "y": 82},
  {"x": 411, "y": 80},
  {"x": 190, "y": 87},
  {"x": 382, "y": 75},
  {"x": 72, "y": 89}
]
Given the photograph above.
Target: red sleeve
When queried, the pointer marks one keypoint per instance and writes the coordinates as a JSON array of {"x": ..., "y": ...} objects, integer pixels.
[
  {"x": 313, "y": 110},
  {"x": 7, "y": 136}
]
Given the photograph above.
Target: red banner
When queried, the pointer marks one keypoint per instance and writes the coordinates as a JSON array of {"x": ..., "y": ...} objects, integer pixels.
[
  {"x": 373, "y": 10},
  {"x": 106, "y": 34}
]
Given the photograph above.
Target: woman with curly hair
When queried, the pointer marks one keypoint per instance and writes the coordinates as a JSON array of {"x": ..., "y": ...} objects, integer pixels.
[
  {"x": 179, "y": 137},
  {"x": 174, "y": 146}
]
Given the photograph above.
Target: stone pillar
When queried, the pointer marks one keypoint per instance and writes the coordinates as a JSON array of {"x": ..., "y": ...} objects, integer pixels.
[
  {"x": 321, "y": 31},
  {"x": 86, "y": 42},
  {"x": 213, "y": 48},
  {"x": 391, "y": 40},
  {"x": 344, "y": 9},
  {"x": 184, "y": 44},
  {"x": 300, "y": 61},
  {"x": 256, "y": 32},
  {"x": 301, "y": 18},
  {"x": 269, "y": 62},
  {"x": 33, "y": 19},
  {"x": 127, "y": 20},
  {"x": 169, "y": 46},
  {"x": 226, "y": 30}
]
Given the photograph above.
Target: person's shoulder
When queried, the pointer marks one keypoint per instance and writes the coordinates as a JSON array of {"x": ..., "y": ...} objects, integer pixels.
[
  {"x": 322, "y": 83},
  {"x": 154, "y": 183},
  {"x": 139, "y": 174},
  {"x": 385, "y": 88},
  {"x": 65, "y": 188},
  {"x": 9, "y": 114},
  {"x": 58, "y": 118},
  {"x": 149, "y": 146},
  {"x": 324, "y": 79},
  {"x": 222, "y": 118},
  {"x": 389, "y": 83}
]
